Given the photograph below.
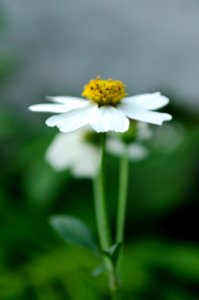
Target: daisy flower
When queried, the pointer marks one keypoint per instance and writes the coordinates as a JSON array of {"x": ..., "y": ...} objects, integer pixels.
[
  {"x": 107, "y": 108},
  {"x": 72, "y": 151}
]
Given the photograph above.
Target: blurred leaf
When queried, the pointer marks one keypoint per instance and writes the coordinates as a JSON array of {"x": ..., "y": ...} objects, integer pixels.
[
  {"x": 180, "y": 260},
  {"x": 48, "y": 273},
  {"x": 10, "y": 284},
  {"x": 98, "y": 271},
  {"x": 183, "y": 261},
  {"x": 42, "y": 184},
  {"x": 73, "y": 231}
]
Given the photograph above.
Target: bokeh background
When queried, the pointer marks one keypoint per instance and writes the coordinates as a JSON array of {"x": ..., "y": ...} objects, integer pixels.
[{"x": 54, "y": 48}]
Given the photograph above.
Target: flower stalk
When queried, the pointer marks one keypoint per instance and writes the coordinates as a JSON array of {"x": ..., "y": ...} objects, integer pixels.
[
  {"x": 100, "y": 202},
  {"x": 102, "y": 221},
  {"x": 122, "y": 199}
]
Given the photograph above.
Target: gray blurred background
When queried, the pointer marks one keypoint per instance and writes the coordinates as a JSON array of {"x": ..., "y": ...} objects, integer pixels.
[{"x": 60, "y": 45}]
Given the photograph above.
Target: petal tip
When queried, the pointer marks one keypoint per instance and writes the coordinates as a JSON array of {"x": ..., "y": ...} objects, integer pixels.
[
  {"x": 167, "y": 117},
  {"x": 125, "y": 128},
  {"x": 48, "y": 123},
  {"x": 31, "y": 108}
]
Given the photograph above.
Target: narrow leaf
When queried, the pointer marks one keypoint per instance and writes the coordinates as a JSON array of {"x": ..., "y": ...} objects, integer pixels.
[
  {"x": 73, "y": 231},
  {"x": 98, "y": 271}
]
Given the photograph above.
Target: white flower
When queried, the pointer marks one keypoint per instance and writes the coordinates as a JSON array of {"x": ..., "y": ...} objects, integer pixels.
[
  {"x": 106, "y": 109},
  {"x": 70, "y": 151}
]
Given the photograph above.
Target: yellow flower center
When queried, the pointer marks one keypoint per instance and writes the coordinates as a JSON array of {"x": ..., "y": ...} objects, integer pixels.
[{"x": 104, "y": 92}]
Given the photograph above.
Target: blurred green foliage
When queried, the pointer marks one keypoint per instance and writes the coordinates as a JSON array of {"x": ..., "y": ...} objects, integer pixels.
[{"x": 160, "y": 261}]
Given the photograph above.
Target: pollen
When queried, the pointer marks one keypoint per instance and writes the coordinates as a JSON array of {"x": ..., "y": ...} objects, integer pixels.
[{"x": 104, "y": 91}]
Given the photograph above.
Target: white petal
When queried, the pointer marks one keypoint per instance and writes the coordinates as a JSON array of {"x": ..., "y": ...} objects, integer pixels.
[
  {"x": 87, "y": 162},
  {"x": 62, "y": 152},
  {"x": 70, "y": 102},
  {"x": 146, "y": 101},
  {"x": 69, "y": 151},
  {"x": 55, "y": 108},
  {"x": 145, "y": 116},
  {"x": 109, "y": 118},
  {"x": 66, "y": 104},
  {"x": 73, "y": 119}
]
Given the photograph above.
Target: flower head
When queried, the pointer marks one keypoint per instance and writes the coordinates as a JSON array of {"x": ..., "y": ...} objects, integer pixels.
[
  {"x": 106, "y": 108},
  {"x": 104, "y": 92}
]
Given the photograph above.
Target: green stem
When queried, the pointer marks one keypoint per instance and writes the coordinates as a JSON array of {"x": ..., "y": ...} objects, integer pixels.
[
  {"x": 122, "y": 199},
  {"x": 102, "y": 220},
  {"x": 114, "y": 295},
  {"x": 100, "y": 202}
]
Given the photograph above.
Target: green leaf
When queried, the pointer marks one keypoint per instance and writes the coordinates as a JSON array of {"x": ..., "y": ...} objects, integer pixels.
[
  {"x": 98, "y": 271},
  {"x": 73, "y": 231}
]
